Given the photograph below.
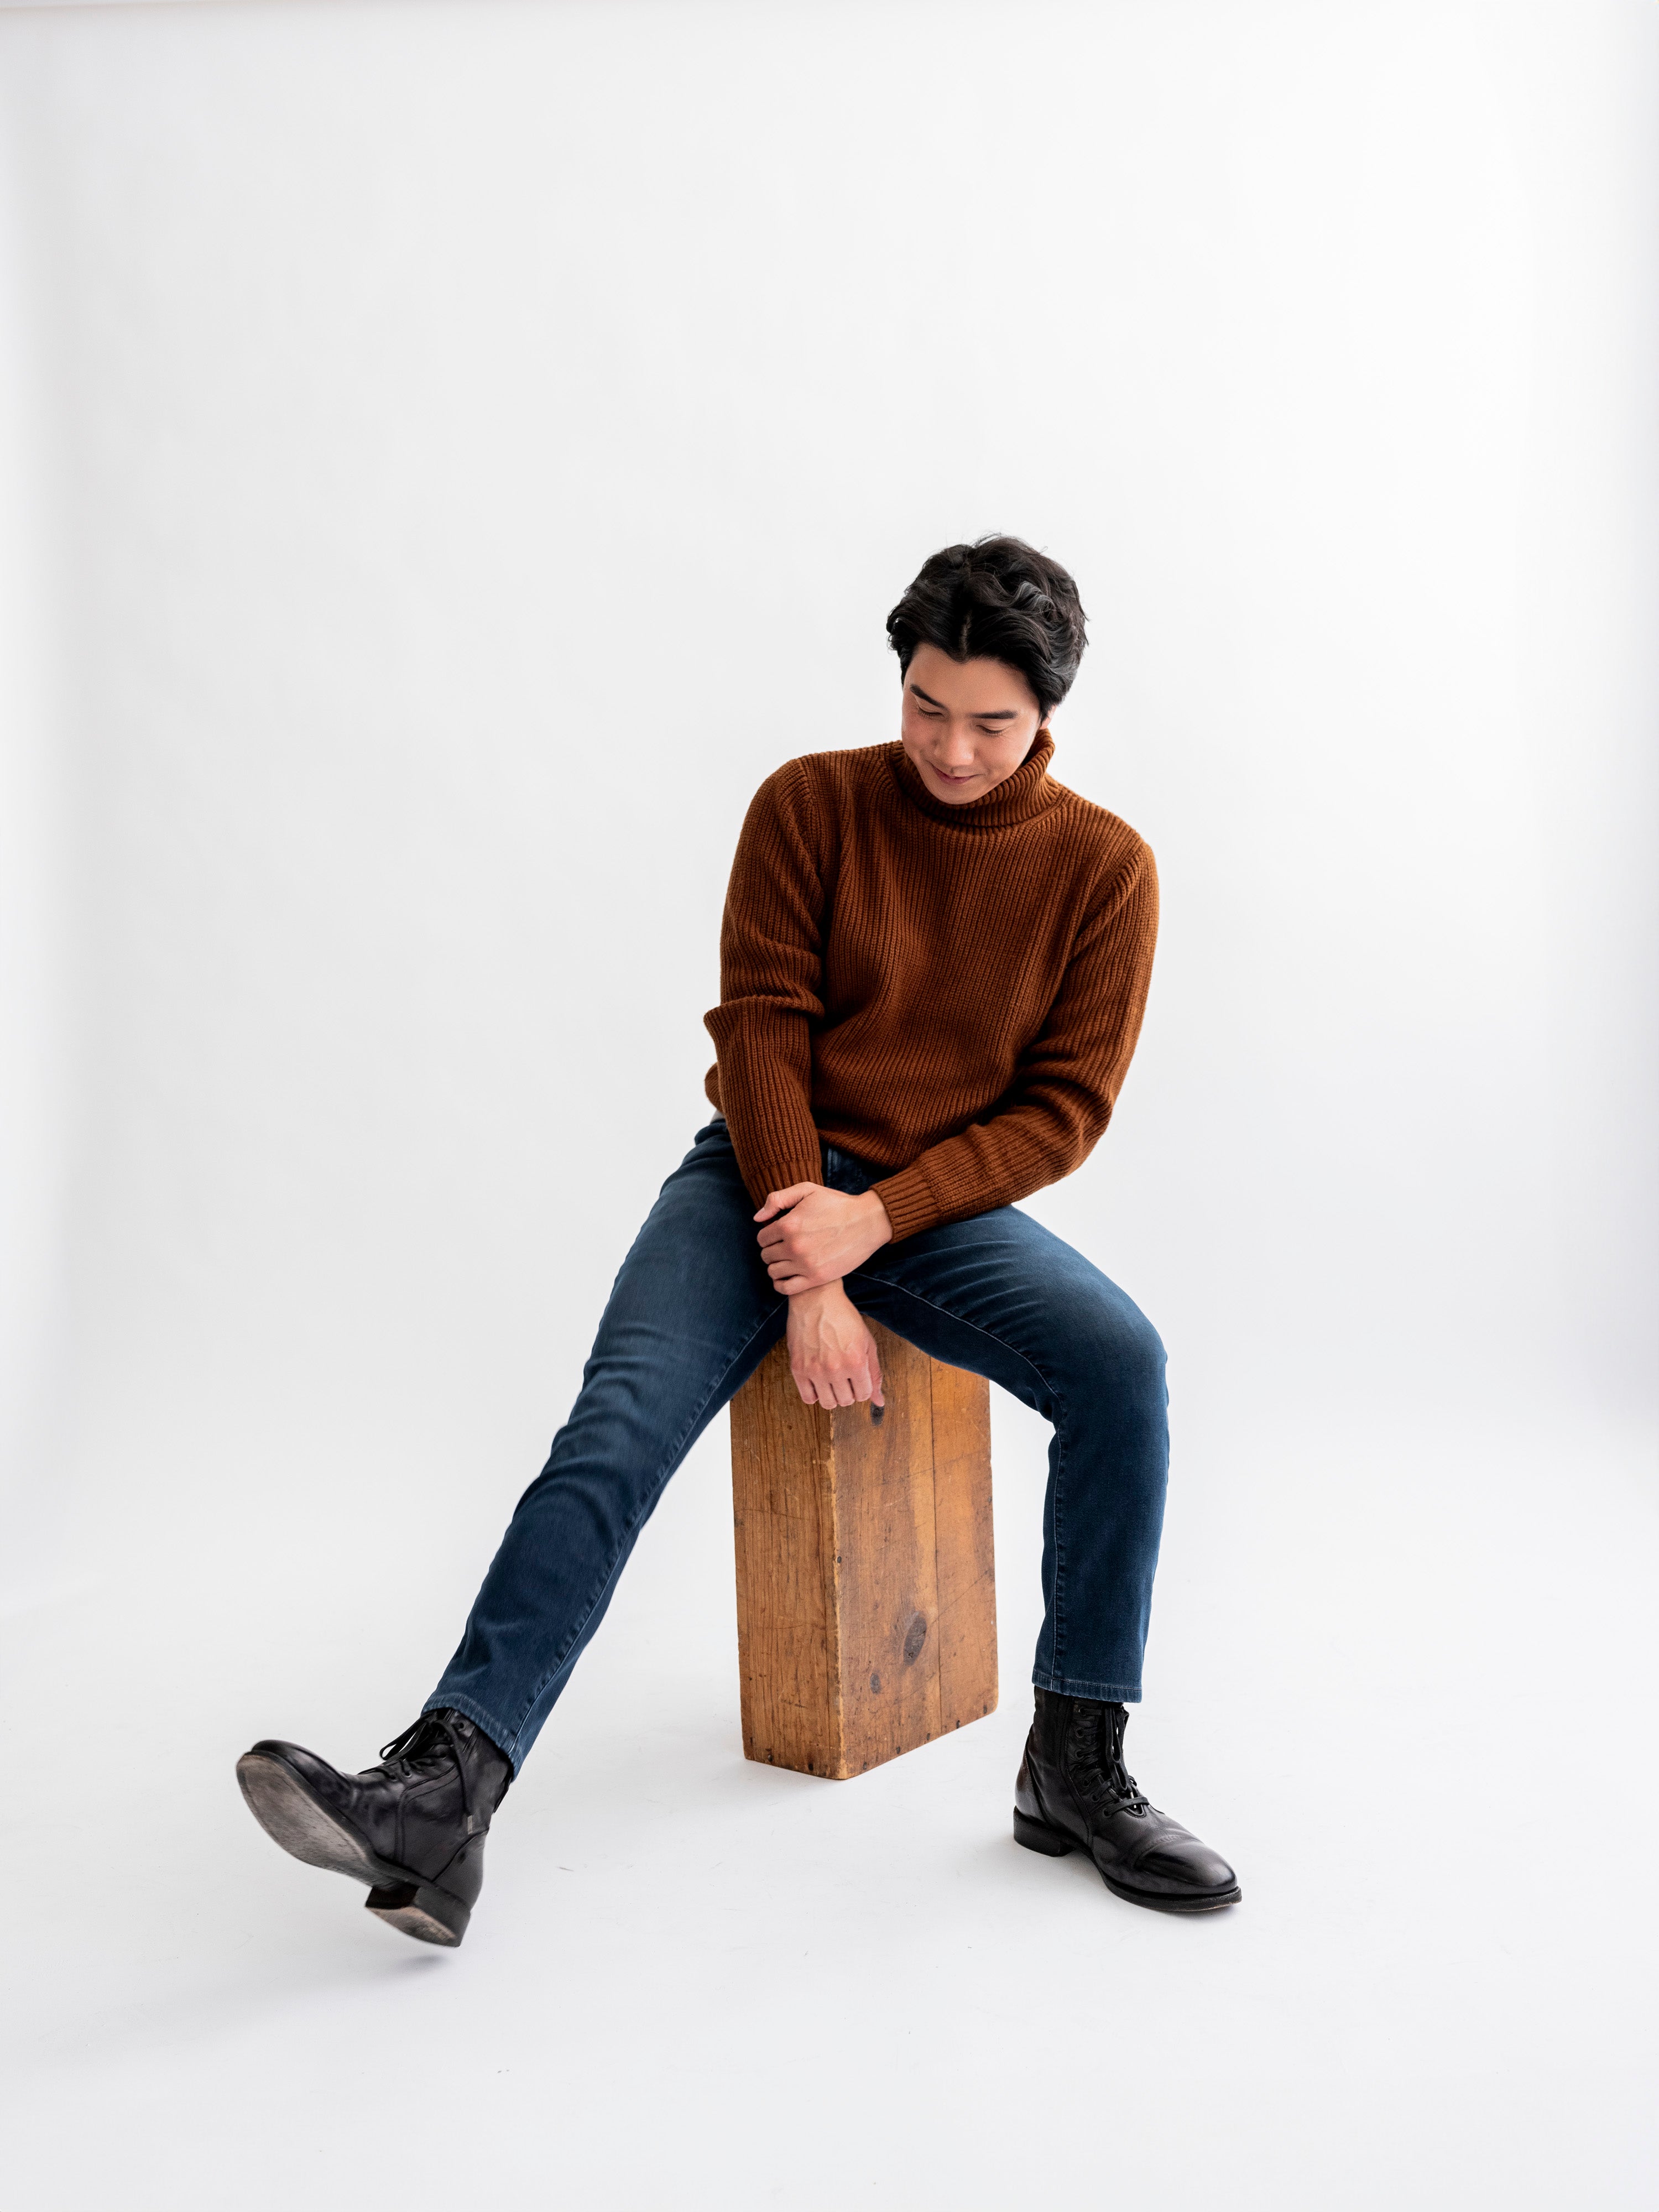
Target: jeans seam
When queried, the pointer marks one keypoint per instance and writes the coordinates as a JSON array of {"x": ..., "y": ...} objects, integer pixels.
[
  {"x": 1060, "y": 1552},
  {"x": 978, "y": 1328},
  {"x": 659, "y": 1482}
]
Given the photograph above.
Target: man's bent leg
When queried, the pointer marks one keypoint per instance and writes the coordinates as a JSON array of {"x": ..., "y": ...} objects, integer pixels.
[
  {"x": 691, "y": 1315},
  {"x": 999, "y": 1295},
  {"x": 1003, "y": 1297}
]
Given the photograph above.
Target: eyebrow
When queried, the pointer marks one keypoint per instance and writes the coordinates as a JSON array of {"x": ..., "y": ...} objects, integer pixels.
[{"x": 997, "y": 714}]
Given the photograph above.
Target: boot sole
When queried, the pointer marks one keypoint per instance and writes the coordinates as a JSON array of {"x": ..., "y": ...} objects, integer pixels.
[
  {"x": 1038, "y": 1836},
  {"x": 290, "y": 1815}
]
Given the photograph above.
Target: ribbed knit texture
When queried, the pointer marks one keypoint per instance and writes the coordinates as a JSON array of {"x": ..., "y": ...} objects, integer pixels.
[{"x": 951, "y": 992}]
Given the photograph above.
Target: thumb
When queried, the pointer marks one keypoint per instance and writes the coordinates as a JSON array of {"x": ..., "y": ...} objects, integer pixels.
[{"x": 778, "y": 1202}]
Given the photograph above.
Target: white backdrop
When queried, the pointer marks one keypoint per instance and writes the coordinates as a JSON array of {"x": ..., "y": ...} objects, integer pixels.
[{"x": 448, "y": 454}]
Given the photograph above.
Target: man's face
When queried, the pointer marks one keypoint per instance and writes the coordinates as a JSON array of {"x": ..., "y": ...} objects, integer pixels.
[{"x": 967, "y": 725}]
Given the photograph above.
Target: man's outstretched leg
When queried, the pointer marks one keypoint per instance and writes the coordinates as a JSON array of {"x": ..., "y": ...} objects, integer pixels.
[{"x": 691, "y": 1315}]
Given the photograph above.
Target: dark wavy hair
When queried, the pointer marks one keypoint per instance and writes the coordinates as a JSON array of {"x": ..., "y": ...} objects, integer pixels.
[{"x": 998, "y": 599}]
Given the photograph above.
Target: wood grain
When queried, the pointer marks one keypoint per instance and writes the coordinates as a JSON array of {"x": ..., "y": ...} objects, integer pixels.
[{"x": 866, "y": 1591}]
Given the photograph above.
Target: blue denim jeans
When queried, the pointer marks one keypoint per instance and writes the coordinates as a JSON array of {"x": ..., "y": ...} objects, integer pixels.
[{"x": 691, "y": 1315}]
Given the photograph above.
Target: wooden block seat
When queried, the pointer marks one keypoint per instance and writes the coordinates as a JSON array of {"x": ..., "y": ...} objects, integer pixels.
[{"x": 866, "y": 1591}]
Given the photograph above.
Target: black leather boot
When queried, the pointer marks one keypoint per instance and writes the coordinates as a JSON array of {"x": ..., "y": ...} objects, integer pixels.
[
  {"x": 1074, "y": 1794},
  {"x": 413, "y": 1828}
]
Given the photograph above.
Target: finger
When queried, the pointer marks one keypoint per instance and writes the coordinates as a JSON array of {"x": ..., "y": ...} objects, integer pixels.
[
  {"x": 844, "y": 1391},
  {"x": 875, "y": 1376}
]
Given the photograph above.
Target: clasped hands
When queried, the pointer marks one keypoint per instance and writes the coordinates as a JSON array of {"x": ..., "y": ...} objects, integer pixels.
[{"x": 812, "y": 1237}]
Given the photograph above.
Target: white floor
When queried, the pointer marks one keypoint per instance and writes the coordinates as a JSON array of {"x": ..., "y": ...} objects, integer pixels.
[{"x": 1410, "y": 1690}]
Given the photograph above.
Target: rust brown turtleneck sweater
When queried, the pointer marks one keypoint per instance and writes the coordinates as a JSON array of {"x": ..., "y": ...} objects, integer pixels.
[{"x": 951, "y": 992}]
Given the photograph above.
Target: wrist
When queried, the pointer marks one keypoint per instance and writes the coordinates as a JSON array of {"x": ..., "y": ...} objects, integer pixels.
[{"x": 879, "y": 1219}]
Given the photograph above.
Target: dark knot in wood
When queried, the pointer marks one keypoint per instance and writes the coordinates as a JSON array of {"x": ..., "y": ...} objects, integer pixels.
[{"x": 915, "y": 1636}]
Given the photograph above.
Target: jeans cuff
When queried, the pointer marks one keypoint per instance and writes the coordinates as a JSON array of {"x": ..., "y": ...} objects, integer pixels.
[{"x": 1104, "y": 1694}]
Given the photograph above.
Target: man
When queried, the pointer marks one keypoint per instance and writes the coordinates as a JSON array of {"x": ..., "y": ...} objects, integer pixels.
[{"x": 933, "y": 965}]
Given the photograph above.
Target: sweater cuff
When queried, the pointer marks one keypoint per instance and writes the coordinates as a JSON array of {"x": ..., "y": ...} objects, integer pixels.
[
  {"x": 910, "y": 1204},
  {"x": 778, "y": 1174}
]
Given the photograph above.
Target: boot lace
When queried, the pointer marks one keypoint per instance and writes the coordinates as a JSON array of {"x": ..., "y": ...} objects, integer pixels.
[
  {"x": 1099, "y": 1771},
  {"x": 426, "y": 1748}
]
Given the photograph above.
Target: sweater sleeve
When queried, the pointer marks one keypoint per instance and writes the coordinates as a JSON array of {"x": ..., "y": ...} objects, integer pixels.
[
  {"x": 1047, "y": 1122},
  {"x": 771, "y": 986}
]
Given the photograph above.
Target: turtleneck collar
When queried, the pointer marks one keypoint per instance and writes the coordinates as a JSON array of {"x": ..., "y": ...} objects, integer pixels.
[{"x": 1028, "y": 791}]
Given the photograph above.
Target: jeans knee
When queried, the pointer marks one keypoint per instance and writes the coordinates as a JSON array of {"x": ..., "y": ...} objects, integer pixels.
[
  {"x": 1144, "y": 1358},
  {"x": 1122, "y": 1355}
]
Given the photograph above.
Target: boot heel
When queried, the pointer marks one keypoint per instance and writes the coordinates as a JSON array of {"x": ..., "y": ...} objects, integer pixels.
[
  {"x": 430, "y": 1915},
  {"x": 1037, "y": 1836}
]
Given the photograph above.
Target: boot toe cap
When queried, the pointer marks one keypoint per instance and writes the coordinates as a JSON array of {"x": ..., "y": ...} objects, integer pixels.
[
  {"x": 1175, "y": 1872},
  {"x": 1192, "y": 1867}
]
